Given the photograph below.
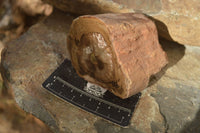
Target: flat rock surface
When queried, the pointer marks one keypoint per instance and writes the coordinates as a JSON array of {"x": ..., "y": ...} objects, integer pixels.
[{"x": 171, "y": 103}]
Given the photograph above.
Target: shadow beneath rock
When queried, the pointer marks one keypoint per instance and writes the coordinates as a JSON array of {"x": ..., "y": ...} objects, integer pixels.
[
  {"x": 162, "y": 29},
  {"x": 174, "y": 50},
  {"x": 194, "y": 126}
]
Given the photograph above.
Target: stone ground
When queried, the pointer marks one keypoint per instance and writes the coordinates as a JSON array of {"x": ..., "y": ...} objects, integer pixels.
[{"x": 170, "y": 104}]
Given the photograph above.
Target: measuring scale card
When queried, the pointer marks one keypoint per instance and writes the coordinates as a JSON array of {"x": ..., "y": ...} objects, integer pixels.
[{"x": 66, "y": 84}]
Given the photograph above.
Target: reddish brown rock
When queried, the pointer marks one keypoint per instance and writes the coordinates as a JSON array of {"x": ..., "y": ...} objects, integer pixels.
[{"x": 116, "y": 51}]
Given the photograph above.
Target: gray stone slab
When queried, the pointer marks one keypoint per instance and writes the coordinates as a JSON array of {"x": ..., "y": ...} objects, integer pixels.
[{"x": 29, "y": 60}]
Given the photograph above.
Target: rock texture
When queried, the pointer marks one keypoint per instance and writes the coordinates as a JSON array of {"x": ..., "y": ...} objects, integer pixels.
[
  {"x": 176, "y": 20},
  {"x": 106, "y": 49},
  {"x": 178, "y": 90},
  {"x": 170, "y": 103}
]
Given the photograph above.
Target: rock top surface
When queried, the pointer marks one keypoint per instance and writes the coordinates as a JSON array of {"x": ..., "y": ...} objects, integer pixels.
[{"x": 170, "y": 103}]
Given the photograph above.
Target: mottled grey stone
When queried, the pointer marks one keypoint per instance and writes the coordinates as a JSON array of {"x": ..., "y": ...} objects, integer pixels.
[
  {"x": 169, "y": 104},
  {"x": 103, "y": 127},
  {"x": 155, "y": 127},
  {"x": 193, "y": 126},
  {"x": 179, "y": 105}
]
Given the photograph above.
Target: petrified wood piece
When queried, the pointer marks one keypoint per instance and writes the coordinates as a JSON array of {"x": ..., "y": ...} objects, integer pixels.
[{"x": 116, "y": 51}]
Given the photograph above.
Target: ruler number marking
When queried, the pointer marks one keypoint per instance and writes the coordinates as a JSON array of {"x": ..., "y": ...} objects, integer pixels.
[{"x": 94, "y": 97}]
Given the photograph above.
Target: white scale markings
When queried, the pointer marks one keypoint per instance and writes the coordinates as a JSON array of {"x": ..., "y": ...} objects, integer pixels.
[
  {"x": 97, "y": 108},
  {"x": 94, "y": 97},
  {"x": 90, "y": 99},
  {"x": 73, "y": 98}
]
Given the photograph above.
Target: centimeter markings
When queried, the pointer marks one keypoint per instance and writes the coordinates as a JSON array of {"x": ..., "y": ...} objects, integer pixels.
[
  {"x": 91, "y": 96},
  {"x": 71, "y": 100}
]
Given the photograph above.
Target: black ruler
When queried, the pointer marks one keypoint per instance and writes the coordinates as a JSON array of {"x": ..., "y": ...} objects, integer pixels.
[{"x": 65, "y": 83}]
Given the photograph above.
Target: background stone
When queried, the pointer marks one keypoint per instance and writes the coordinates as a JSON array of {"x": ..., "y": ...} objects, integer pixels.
[
  {"x": 147, "y": 117},
  {"x": 177, "y": 20},
  {"x": 169, "y": 104},
  {"x": 177, "y": 92},
  {"x": 146, "y": 6}
]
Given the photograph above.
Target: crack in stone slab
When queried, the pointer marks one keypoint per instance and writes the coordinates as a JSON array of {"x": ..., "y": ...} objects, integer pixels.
[{"x": 33, "y": 106}]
